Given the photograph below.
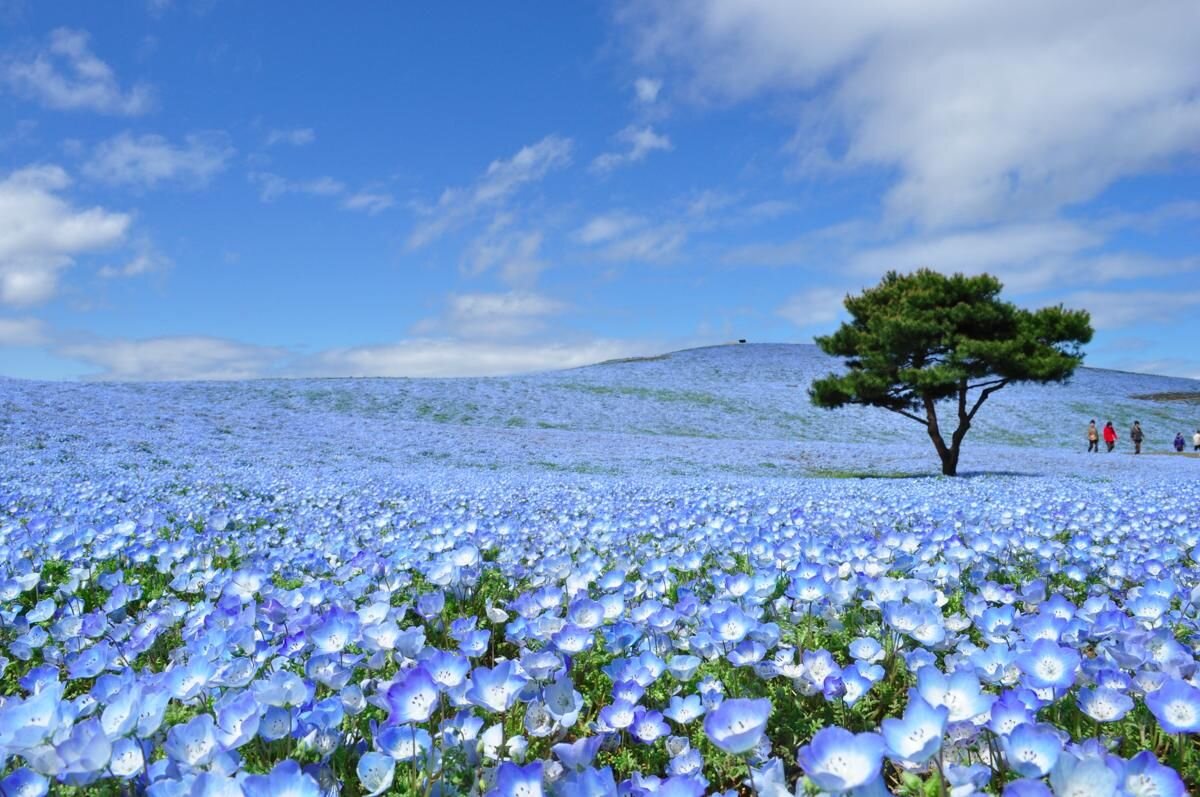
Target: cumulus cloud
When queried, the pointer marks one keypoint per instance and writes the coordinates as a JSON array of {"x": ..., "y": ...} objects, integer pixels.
[
  {"x": 982, "y": 110},
  {"x": 647, "y": 89},
  {"x": 22, "y": 332},
  {"x": 1127, "y": 308},
  {"x": 67, "y": 75},
  {"x": 813, "y": 306},
  {"x": 500, "y": 315},
  {"x": 641, "y": 142},
  {"x": 297, "y": 137},
  {"x": 175, "y": 358},
  {"x": 147, "y": 160},
  {"x": 501, "y": 180},
  {"x": 448, "y": 358},
  {"x": 41, "y": 233}
]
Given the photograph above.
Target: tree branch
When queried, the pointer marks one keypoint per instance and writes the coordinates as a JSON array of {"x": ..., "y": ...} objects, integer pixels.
[
  {"x": 983, "y": 397},
  {"x": 908, "y": 414},
  {"x": 990, "y": 382}
]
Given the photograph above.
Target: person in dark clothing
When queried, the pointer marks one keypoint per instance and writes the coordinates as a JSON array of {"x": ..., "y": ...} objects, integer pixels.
[
  {"x": 1110, "y": 436},
  {"x": 1179, "y": 441},
  {"x": 1135, "y": 434},
  {"x": 1093, "y": 437}
]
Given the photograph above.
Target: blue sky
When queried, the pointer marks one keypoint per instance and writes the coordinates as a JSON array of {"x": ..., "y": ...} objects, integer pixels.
[{"x": 209, "y": 189}]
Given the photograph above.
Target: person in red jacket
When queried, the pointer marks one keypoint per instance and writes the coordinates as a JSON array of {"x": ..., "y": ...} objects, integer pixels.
[{"x": 1110, "y": 436}]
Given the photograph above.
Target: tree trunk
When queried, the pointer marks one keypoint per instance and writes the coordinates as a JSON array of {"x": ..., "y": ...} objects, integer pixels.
[{"x": 949, "y": 461}]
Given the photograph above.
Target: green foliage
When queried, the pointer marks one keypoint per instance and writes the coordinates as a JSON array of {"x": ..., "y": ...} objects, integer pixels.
[{"x": 917, "y": 339}]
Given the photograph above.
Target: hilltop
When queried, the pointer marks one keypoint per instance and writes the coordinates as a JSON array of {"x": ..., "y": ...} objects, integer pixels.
[{"x": 733, "y": 410}]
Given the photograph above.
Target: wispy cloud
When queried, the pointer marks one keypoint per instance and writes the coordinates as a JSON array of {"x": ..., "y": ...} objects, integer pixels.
[
  {"x": 813, "y": 306},
  {"x": 1129, "y": 308},
  {"x": 145, "y": 260},
  {"x": 67, "y": 75},
  {"x": 175, "y": 358},
  {"x": 22, "y": 332},
  {"x": 992, "y": 112},
  {"x": 296, "y": 137},
  {"x": 148, "y": 160},
  {"x": 641, "y": 142},
  {"x": 625, "y": 237},
  {"x": 273, "y": 186},
  {"x": 501, "y": 180},
  {"x": 41, "y": 233},
  {"x": 647, "y": 89},
  {"x": 370, "y": 202}
]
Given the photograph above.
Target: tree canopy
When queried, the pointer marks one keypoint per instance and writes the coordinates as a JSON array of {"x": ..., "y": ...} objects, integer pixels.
[{"x": 918, "y": 339}]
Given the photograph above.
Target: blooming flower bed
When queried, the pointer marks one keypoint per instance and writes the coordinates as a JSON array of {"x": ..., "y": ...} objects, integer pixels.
[{"x": 188, "y": 620}]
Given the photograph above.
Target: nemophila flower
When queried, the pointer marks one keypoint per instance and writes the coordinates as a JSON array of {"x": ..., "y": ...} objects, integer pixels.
[
  {"x": 683, "y": 666},
  {"x": 867, "y": 649},
  {"x": 838, "y": 760},
  {"x": 447, "y": 669},
  {"x": 959, "y": 692},
  {"x": 572, "y": 639},
  {"x": 375, "y": 772},
  {"x": 24, "y": 782},
  {"x": 474, "y": 643},
  {"x": 648, "y": 726},
  {"x": 617, "y": 715},
  {"x": 282, "y": 688},
  {"x": 27, "y": 723},
  {"x": 587, "y": 782},
  {"x": 684, "y": 710},
  {"x": 917, "y": 736},
  {"x": 689, "y": 762},
  {"x": 538, "y": 722},
  {"x": 404, "y": 742},
  {"x": 585, "y": 613},
  {"x": 1032, "y": 749},
  {"x": 1144, "y": 776},
  {"x": 563, "y": 701},
  {"x": 513, "y": 780},
  {"x": 737, "y": 724},
  {"x": 276, "y": 723},
  {"x": 90, "y": 662},
  {"x": 127, "y": 758},
  {"x": 412, "y": 698},
  {"x": 1176, "y": 706},
  {"x": 1086, "y": 777},
  {"x": 1026, "y": 787},
  {"x": 1007, "y": 713},
  {"x": 84, "y": 753},
  {"x": 578, "y": 755},
  {"x": 1104, "y": 704},
  {"x": 285, "y": 780},
  {"x": 1049, "y": 665},
  {"x": 682, "y": 786},
  {"x": 495, "y": 689},
  {"x": 730, "y": 625},
  {"x": 193, "y": 743},
  {"x": 629, "y": 691}
]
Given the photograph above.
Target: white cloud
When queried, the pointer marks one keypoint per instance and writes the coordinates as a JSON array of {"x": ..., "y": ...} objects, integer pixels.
[
  {"x": 148, "y": 160},
  {"x": 647, "y": 89},
  {"x": 515, "y": 254},
  {"x": 813, "y": 306},
  {"x": 272, "y": 186},
  {"x": 66, "y": 75},
  {"x": 370, "y": 202},
  {"x": 146, "y": 260},
  {"x": 1127, "y": 308},
  {"x": 608, "y": 226},
  {"x": 658, "y": 244},
  {"x": 500, "y": 315},
  {"x": 457, "y": 206},
  {"x": 641, "y": 140},
  {"x": 41, "y": 233},
  {"x": 984, "y": 110},
  {"x": 449, "y": 358},
  {"x": 22, "y": 332},
  {"x": 175, "y": 358},
  {"x": 297, "y": 137}
]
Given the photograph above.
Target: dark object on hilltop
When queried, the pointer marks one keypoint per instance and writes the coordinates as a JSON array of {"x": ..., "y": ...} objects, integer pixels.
[{"x": 920, "y": 338}]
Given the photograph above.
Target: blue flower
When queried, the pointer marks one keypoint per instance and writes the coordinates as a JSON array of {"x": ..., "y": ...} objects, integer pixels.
[
  {"x": 24, "y": 783},
  {"x": 404, "y": 742},
  {"x": 959, "y": 692},
  {"x": 578, "y": 755},
  {"x": 1032, "y": 749},
  {"x": 1104, "y": 704},
  {"x": 1087, "y": 777},
  {"x": 563, "y": 701},
  {"x": 648, "y": 726},
  {"x": 193, "y": 743},
  {"x": 587, "y": 782},
  {"x": 285, "y": 780},
  {"x": 684, "y": 710},
  {"x": 737, "y": 724},
  {"x": 375, "y": 772},
  {"x": 1146, "y": 777},
  {"x": 837, "y": 760},
  {"x": 495, "y": 689},
  {"x": 918, "y": 736},
  {"x": 238, "y": 715},
  {"x": 412, "y": 698},
  {"x": 513, "y": 780},
  {"x": 1176, "y": 706},
  {"x": 1027, "y": 787},
  {"x": 1048, "y": 665}
]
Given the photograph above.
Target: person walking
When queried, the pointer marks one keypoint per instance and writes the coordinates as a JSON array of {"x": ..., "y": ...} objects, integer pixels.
[
  {"x": 1196, "y": 441},
  {"x": 1135, "y": 434},
  {"x": 1179, "y": 441},
  {"x": 1110, "y": 436},
  {"x": 1093, "y": 437}
]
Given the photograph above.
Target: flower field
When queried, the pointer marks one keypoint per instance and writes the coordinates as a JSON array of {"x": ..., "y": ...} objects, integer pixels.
[{"x": 662, "y": 577}]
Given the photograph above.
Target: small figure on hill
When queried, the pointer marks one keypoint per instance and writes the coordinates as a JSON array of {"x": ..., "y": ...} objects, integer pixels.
[
  {"x": 1093, "y": 437},
  {"x": 1135, "y": 434},
  {"x": 1196, "y": 441},
  {"x": 1179, "y": 441},
  {"x": 1110, "y": 436}
]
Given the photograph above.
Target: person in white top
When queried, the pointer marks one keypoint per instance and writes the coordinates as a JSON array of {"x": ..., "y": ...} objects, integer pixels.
[{"x": 1196, "y": 441}]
